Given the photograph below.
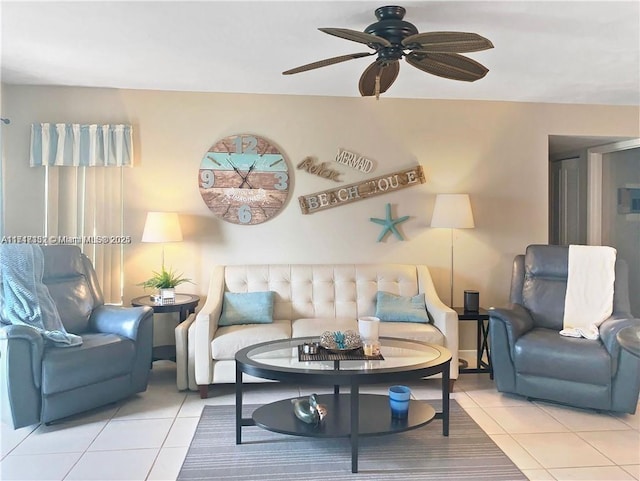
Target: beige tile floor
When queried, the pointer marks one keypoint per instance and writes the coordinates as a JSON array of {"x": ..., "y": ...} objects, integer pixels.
[{"x": 146, "y": 437}]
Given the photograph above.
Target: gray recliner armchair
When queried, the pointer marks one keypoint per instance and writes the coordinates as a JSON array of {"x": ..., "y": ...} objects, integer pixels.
[
  {"x": 42, "y": 383},
  {"x": 530, "y": 357}
]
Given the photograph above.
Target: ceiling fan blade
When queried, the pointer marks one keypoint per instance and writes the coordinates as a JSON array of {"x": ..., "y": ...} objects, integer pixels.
[
  {"x": 447, "y": 42},
  {"x": 448, "y": 65},
  {"x": 326, "y": 62},
  {"x": 357, "y": 36},
  {"x": 378, "y": 77}
]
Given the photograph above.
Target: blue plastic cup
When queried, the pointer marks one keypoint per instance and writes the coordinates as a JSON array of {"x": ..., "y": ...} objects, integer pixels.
[{"x": 399, "y": 401}]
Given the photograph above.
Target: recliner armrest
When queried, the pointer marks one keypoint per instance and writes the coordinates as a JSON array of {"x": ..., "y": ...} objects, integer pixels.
[
  {"x": 13, "y": 333},
  {"x": 124, "y": 321},
  {"x": 516, "y": 319},
  {"x": 21, "y": 352},
  {"x": 608, "y": 331}
]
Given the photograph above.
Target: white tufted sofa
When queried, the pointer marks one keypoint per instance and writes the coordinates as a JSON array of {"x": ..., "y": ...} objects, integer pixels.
[{"x": 309, "y": 300}]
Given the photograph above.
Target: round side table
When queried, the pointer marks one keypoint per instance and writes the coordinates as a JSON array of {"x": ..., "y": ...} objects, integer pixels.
[{"x": 184, "y": 304}]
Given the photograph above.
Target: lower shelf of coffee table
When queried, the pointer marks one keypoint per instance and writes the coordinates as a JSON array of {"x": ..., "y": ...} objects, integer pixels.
[{"x": 374, "y": 417}]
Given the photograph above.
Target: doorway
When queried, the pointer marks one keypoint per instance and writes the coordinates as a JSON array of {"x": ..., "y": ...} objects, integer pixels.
[
  {"x": 615, "y": 168},
  {"x": 594, "y": 192}
]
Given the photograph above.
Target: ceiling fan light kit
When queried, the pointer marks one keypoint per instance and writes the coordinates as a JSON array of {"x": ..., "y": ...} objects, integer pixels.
[{"x": 392, "y": 38}]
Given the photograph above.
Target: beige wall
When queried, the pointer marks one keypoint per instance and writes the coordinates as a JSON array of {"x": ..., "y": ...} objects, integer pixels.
[{"x": 495, "y": 151}]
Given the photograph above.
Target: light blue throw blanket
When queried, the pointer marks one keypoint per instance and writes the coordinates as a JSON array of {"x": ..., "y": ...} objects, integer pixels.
[{"x": 25, "y": 299}]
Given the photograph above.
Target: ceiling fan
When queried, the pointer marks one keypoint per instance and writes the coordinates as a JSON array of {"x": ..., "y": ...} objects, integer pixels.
[{"x": 392, "y": 38}]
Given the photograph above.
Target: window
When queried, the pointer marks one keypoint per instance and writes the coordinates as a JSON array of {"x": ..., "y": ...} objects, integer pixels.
[{"x": 84, "y": 200}]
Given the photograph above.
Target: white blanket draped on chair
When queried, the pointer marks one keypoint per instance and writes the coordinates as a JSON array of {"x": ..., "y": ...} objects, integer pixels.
[{"x": 589, "y": 298}]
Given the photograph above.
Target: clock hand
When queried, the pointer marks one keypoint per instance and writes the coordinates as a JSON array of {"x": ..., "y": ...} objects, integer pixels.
[
  {"x": 234, "y": 167},
  {"x": 244, "y": 179},
  {"x": 237, "y": 170}
]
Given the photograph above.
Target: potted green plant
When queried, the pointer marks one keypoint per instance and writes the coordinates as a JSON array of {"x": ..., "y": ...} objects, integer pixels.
[{"x": 165, "y": 283}]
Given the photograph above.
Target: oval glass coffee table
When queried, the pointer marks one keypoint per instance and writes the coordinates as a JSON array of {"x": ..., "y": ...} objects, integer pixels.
[{"x": 349, "y": 415}]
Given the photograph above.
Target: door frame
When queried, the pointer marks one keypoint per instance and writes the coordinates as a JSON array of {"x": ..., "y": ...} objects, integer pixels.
[{"x": 594, "y": 190}]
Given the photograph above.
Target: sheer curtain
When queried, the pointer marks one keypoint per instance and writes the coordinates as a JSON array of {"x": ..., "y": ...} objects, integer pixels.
[{"x": 84, "y": 198}]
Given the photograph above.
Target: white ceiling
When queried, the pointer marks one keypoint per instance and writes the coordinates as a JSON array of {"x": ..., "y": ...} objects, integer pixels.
[{"x": 553, "y": 51}]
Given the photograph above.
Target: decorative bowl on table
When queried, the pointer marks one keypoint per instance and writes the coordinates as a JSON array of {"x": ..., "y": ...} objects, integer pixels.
[{"x": 338, "y": 341}]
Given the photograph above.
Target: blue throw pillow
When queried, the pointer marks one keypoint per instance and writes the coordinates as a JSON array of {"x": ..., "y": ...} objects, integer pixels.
[
  {"x": 390, "y": 307},
  {"x": 247, "y": 308}
]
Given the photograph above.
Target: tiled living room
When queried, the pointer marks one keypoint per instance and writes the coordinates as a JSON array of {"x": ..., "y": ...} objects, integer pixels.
[
  {"x": 147, "y": 437},
  {"x": 206, "y": 188}
]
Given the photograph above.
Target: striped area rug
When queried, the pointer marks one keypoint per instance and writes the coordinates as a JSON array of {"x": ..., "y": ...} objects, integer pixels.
[{"x": 422, "y": 454}]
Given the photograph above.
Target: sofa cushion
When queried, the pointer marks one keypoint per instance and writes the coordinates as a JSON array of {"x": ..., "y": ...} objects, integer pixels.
[
  {"x": 230, "y": 339},
  {"x": 247, "y": 308},
  {"x": 323, "y": 291},
  {"x": 316, "y": 326},
  {"x": 412, "y": 330},
  {"x": 99, "y": 358},
  {"x": 393, "y": 308},
  {"x": 545, "y": 353}
]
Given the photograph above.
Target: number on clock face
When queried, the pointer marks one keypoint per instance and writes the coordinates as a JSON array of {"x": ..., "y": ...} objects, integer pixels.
[
  {"x": 244, "y": 179},
  {"x": 282, "y": 181},
  {"x": 252, "y": 142},
  {"x": 206, "y": 178},
  {"x": 244, "y": 214}
]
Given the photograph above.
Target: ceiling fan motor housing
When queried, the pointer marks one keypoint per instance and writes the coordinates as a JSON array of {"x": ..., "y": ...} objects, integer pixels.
[{"x": 391, "y": 27}]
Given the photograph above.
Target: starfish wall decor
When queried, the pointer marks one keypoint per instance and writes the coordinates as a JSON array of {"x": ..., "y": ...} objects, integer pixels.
[{"x": 389, "y": 224}]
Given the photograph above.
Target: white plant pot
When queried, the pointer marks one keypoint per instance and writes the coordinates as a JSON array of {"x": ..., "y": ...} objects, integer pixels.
[{"x": 168, "y": 296}]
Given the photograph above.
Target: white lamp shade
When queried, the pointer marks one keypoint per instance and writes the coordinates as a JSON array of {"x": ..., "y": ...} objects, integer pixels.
[
  {"x": 162, "y": 227},
  {"x": 452, "y": 211}
]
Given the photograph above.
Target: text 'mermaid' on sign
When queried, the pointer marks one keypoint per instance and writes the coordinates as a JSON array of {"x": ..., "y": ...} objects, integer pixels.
[
  {"x": 326, "y": 199},
  {"x": 351, "y": 159}
]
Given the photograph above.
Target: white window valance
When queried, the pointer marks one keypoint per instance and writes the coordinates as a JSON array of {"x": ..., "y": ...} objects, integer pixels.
[{"x": 81, "y": 145}]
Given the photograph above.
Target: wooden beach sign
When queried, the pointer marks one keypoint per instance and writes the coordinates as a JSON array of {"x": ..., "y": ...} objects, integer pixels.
[{"x": 346, "y": 194}]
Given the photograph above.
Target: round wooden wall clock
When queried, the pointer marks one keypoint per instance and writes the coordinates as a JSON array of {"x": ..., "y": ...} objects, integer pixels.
[{"x": 244, "y": 179}]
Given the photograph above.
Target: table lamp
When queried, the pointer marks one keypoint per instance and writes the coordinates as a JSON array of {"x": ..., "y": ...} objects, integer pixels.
[
  {"x": 163, "y": 227},
  {"x": 452, "y": 211}
]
